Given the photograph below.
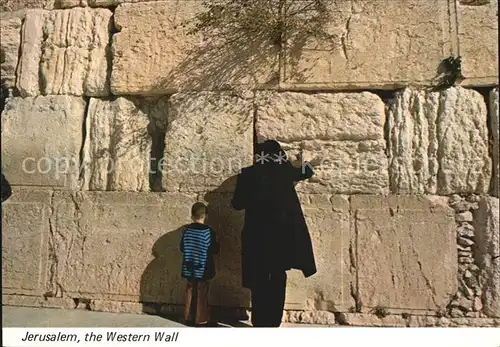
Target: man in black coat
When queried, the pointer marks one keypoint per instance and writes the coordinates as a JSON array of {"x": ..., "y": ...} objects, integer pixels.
[{"x": 275, "y": 236}]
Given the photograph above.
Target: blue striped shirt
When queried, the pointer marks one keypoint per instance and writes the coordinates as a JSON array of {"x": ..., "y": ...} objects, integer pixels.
[{"x": 196, "y": 245}]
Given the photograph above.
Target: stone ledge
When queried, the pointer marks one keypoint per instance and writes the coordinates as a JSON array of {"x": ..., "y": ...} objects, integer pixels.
[
  {"x": 37, "y": 301},
  {"x": 324, "y": 318},
  {"x": 369, "y": 320}
]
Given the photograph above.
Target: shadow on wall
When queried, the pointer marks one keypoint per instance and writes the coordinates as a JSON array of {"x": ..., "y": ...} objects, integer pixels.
[
  {"x": 247, "y": 49},
  {"x": 6, "y": 189},
  {"x": 161, "y": 282}
]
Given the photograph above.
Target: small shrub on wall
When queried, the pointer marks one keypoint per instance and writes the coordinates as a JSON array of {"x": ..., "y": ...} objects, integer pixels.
[{"x": 273, "y": 20}]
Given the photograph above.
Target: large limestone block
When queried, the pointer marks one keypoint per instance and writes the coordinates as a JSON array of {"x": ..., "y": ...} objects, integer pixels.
[
  {"x": 15, "y": 5},
  {"x": 487, "y": 238},
  {"x": 209, "y": 139},
  {"x": 344, "y": 132},
  {"x": 119, "y": 245},
  {"x": 65, "y": 52},
  {"x": 439, "y": 142},
  {"x": 41, "y": 140},
  {"x": 329, "y": 289},
  {"x": 118, "y": 144},
  {"x": 406, "y": 255},
  {"x": 10, "y": 40},
  {"x": 373, "y": 44},
  {"x": 25, "y": 232},
  {"x": 95, "y": 3},
  {"x": 153, "y": 35},
  {"x": 494, "y": 126},
  {"x": 478, "y": 41}
]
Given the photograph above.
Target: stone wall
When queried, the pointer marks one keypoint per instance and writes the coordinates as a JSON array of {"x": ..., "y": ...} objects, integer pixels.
[{"x": 115, "y": 120}]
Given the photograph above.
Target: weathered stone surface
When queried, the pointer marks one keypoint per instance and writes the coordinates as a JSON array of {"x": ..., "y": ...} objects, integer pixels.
[
  {"x": 10, "y": 40},
  {"x": 309, "y": 317},
  {"x": 15, "y": 5},
  {"x": 328, "y": 220},
  {"x": 488, "y": 250},
  {"x": 464, "y": 217},
  {"x": 41, "y": 140},
  {"x": 466, "y": 230},
  {"x": 37, "y": 301},
  {"x": 118, "y": 246},
  {"x": 95, "y": 3},
  {"x": 372, "y": 45},
  {"x": 439, "y": 142},
  {"x": 398, "y": 267},
  {"x": 25, "y": 231},
  {"x": 116, "y": 306},
  {"x": 209, "y": 139},
  {"x": 478, "y": 42},
  {"x": 172, "y": 61},
  {"x": 70, "y": 3},
  {"x": 495, "y": 124},
  {"x": 65, "y": 52},
  {"x": 370, "y": 320},
  {"x": 422, "y": 321},
  {"x": 344, "y": 133},
  {"x": 465, "y": 242},
  {"x": 118, "y": 144}
]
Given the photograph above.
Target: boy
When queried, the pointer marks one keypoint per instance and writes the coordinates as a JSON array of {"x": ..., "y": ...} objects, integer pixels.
[{"x": 198, "y": 244}]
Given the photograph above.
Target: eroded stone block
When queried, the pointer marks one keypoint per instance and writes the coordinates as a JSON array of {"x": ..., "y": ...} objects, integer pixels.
[
  {"x": 487, "y": 238},
  {"x": 373, "y": 44},
  {"x": 172, "y": 61},
  {"x": 209, "y": 139},
  {"x": 119, "y": 141},
  {"x": 15, "y": 5},
  {"x": 41, "y": 140},
  {"x": 329, "y": 289},
  {"x": 406, "y": 253},
  {"x": 65, "y": 52},
  {"x": 439, "y": 142},
  {"x": 343, "y": 132},
  {"x": 118, "y": 245},
  {"x": 25, "y": 231},
  {"x": 95, "y": 3},
  {"x": 478, "y": 41},
  {"x": 10, "y": 40}
]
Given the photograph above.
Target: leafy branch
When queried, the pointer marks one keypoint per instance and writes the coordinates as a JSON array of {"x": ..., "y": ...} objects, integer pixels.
[{"x": 276, "y": 21}]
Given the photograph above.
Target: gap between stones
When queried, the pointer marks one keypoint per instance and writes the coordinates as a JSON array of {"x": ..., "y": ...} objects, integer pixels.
[{"x": 486, "y": 93}]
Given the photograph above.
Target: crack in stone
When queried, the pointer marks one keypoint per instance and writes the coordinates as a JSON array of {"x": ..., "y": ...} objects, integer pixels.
[
  {"x": 52, "y": 249},
  {"x": 427, "y": 281},
  {"x": 345, "y": 37}
]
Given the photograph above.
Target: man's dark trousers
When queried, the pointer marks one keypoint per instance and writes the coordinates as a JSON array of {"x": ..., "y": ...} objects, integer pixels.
[{"x": 268, "y": 298}]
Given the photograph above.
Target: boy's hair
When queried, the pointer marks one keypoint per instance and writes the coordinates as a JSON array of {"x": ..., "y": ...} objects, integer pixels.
[{"x": 199, "y": 210}]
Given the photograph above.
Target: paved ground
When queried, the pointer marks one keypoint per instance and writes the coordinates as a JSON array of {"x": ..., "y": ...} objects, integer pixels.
[{"x": 13, "y": 317}]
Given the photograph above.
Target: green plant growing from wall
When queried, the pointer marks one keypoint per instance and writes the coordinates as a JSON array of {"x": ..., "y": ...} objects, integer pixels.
[
  {"x": 276, "y": 21},
  {"x": 449, "y": 73},
  {"x": 380, "y": 312}
]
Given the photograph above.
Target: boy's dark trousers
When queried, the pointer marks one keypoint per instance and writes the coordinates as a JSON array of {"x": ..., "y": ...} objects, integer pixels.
[
  {"x": 268, "y": 298},
  {"x": 196, "y": 310}
]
